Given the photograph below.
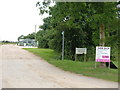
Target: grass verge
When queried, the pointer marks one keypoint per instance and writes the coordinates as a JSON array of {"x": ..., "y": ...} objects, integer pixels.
[{"x": 84, "y": 68}]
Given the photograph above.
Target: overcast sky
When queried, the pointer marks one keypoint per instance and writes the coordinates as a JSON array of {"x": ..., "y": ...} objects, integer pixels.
[{"x": 18, "y": 17}]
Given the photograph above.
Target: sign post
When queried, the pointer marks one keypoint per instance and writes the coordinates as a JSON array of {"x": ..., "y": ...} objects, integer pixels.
[
  {"x": 63, "y": 45},
  {"x": 81, "y": 51},
  {"x": 102, "y": 54}
]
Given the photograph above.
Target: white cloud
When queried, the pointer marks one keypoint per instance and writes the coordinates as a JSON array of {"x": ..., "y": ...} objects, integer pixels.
[{"x": 18, "y": 17}]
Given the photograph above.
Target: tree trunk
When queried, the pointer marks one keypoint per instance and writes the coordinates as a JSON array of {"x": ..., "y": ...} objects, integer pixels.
[
  {"x": 102, "y": 41},
  {"x": 102, "y": 35}
]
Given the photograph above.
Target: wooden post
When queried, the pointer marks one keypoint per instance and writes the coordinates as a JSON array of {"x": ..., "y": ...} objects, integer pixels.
[
  {"x": 94, "y": 57},
  {"x": 84, "y": 57},
  {"x": 75, "y": 56},
  {"x": 95, "y": 60},
  {"x": 109, "y": 65}
]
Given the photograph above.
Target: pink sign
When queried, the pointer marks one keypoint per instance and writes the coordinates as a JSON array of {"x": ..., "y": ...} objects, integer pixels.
[
  {"x": 102, "y": 60},
  {"x": 102, "y": 54}
]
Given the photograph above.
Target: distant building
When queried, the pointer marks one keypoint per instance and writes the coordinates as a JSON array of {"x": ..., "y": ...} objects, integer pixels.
[{"x": 27, "y": 42}]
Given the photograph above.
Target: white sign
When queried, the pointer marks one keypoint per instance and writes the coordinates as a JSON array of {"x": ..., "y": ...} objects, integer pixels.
[
  {"x": 102, "y": 54},
  {"x": 81, "y": 50}
]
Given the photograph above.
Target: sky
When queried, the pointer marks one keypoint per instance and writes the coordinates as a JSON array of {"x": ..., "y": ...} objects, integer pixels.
[{"x": 18, "y": 17}]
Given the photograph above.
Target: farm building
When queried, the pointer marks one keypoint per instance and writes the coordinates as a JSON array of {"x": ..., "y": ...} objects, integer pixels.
[{"x": 27, "y": 42}]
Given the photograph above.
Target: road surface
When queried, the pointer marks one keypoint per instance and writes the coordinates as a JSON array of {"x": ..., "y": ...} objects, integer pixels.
[{"x": 22, "y": 69}]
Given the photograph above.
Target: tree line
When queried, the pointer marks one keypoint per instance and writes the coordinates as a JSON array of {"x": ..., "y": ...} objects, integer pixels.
[{"x": 82, "y": 23}]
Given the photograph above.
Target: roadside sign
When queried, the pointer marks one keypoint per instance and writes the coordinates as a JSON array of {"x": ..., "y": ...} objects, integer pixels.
[
  {"x": 81, "y": 50},
  {"x": 102, "y": 54}
]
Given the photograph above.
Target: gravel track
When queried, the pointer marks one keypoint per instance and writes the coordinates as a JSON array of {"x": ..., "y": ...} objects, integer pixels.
[{"x": 22, "y": 69}]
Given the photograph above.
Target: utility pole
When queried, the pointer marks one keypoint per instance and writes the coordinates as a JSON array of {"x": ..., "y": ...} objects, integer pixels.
[
  {"x": 35, "y": 32},
  {"x": 63, "y": 45},
  {"x": 35, "y": 38}
]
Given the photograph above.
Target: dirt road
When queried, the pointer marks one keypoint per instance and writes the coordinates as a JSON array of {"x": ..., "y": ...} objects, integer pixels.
[{"x": 21, "y": 69}]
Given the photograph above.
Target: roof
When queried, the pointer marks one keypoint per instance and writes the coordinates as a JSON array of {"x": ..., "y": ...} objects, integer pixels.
[{"x": 26, "y": 39}]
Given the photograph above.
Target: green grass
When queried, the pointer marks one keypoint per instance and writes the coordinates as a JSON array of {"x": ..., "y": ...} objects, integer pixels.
[
  {"x": 84, "y": 68},
  {"x": 116, "y": 63}
]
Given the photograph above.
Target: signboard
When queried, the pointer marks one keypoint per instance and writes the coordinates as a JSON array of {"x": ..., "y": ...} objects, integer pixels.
[
  {"x": 81, "y": 50},
  {"x": 102, "y": 54}
]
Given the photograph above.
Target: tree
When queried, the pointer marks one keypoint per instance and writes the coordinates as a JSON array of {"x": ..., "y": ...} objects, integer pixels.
[
  {"x": 81, "y": 23},
  {"x": 21, "y": 37},
  {"x": 30, "y": 36}
]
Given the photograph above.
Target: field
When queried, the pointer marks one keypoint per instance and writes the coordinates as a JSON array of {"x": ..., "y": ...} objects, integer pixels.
[{"x": 83, "y": 68}]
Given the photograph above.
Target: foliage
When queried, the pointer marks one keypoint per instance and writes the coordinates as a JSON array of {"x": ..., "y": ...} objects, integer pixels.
[
  {"x": 7, "y": 42},
  {"x": 81, "y": 22},
  {"x": 41, "y": 39},
  {"x": 29, "y": 36},
  {"x": 21, "y": 37}
]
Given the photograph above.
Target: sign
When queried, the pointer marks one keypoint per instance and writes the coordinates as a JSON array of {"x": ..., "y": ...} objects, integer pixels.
[
  {"x": 62, "y": 32},
  {"x": 102, "y": 54},
  {"x": 81, "y": 50}
]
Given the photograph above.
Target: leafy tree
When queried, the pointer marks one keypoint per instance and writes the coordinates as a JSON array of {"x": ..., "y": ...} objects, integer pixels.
[
  {"x": 21, "y": 37},
  {"x": 30, "y": 36},
  {"x": 82, "y": 22}
]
